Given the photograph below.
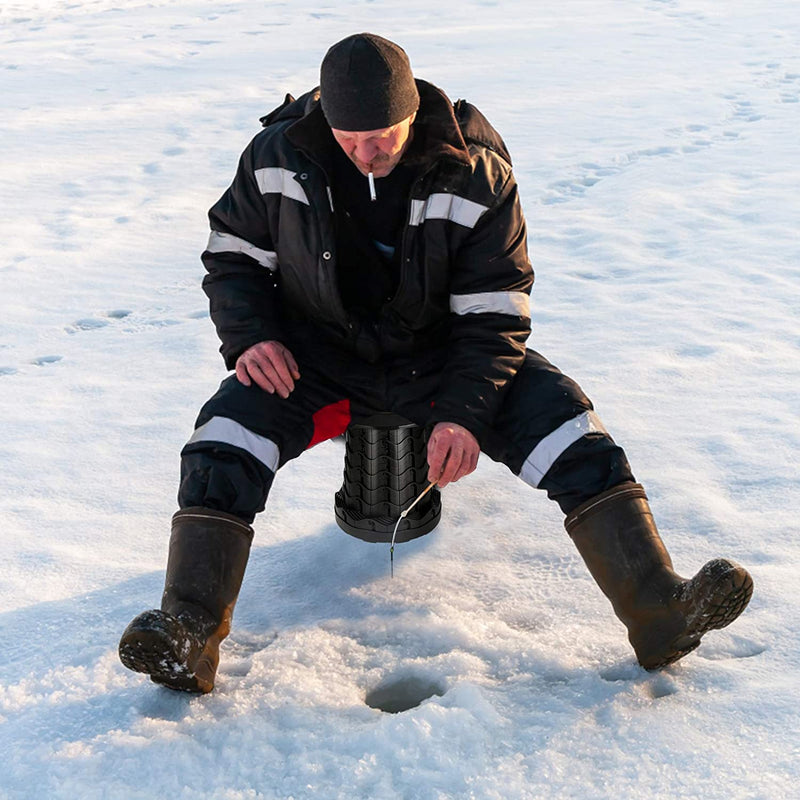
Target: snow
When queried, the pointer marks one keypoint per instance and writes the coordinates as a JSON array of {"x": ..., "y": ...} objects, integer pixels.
[{"x": 656, "y": 148}]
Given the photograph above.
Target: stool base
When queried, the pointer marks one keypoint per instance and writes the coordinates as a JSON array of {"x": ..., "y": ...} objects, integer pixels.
[{"x": 385, "y": 470}]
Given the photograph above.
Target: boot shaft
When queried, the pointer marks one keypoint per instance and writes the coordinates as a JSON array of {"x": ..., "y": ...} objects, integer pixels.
[
  {"x": 208, "y": 553},
  {"x": 617, "y": 537}
]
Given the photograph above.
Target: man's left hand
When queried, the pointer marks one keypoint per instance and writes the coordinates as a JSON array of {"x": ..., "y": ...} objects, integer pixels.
[{"x": 452, "y": 453}]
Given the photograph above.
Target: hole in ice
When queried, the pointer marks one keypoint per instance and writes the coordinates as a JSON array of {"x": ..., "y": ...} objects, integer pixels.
[{"x": 401, "y": 694}]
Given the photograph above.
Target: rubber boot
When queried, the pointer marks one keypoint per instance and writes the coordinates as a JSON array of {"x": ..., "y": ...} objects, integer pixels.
[
  {"x": 178, "y": 645},
  {"x": 665, "y": 615}
]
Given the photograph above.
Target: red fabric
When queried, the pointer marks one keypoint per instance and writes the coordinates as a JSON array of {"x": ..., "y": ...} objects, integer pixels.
[{"x": 330, "y": 421}]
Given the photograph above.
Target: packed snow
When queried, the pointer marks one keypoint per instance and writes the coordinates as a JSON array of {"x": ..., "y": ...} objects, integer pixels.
[{"x": 657, "y": 150}]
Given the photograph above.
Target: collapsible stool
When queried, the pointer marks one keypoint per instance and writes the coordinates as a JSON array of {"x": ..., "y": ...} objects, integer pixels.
[{"x": 385, "y": 470}]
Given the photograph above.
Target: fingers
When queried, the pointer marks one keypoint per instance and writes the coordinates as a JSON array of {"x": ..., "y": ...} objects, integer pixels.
[
  {"x": 241, "y": 372},
  {"x": 436, "y": 457},
  {"x": 269, "y": 377},
  {"x": 470, "y": 462},
  {"x": 452, "y": 466},
  {"x": 291, "y": 364},
  {"x": 269, "y": 365},
  {"x": 452, "y": 453}
]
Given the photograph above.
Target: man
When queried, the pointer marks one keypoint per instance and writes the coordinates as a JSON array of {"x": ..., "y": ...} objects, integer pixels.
[{"x": 371, "y": 256}]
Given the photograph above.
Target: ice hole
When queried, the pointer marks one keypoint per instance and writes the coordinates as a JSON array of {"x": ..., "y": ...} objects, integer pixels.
[{"x": 401, "y": 694}]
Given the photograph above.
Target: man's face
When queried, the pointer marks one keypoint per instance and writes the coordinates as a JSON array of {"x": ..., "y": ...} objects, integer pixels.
[{"x": 378, "y": 152}]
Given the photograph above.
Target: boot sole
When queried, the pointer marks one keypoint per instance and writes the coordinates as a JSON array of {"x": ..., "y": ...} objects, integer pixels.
[
  {"x": 726, "y": 593},
  {"x": 153, "y": 645}
]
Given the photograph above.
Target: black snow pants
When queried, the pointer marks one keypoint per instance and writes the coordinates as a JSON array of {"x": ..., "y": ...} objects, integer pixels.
[{"x": 546, "y": 431}]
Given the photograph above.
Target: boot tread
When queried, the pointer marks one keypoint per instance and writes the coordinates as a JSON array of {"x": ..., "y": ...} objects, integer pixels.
[
  {"x": 158, "y": 645},
  {"x": 717, "y": 595}
]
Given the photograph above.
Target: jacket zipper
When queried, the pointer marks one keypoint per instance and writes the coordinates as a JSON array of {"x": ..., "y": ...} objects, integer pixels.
[{"x": 330, "y": 273}]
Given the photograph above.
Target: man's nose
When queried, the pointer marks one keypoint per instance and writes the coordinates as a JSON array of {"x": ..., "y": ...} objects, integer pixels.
[{"x": 365, "y": 152}]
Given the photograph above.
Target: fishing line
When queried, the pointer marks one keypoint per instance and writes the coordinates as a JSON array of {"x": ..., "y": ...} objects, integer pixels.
[{"x": 402, "y": 516}]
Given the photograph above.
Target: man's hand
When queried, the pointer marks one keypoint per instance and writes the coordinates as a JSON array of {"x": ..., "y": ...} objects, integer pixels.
[
  {"x": 269, "y": 365},
  {"x": 452, "y": 453}
]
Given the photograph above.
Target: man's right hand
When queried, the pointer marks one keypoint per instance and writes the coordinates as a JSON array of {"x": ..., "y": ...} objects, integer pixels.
[{"x": 269, "y": 365}]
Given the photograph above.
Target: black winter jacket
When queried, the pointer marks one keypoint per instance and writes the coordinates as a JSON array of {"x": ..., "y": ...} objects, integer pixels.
[{"x": 462, "y": 303}]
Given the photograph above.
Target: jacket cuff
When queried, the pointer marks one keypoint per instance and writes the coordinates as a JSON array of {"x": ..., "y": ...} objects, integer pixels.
[{"x": 464, "y": 419}]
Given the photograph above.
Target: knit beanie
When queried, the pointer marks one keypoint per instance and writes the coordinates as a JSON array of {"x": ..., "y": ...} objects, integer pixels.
[{"x": 366, "y": 83}]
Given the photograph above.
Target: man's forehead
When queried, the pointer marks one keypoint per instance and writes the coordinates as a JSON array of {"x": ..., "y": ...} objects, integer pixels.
[{"x": 377, "y": 133}]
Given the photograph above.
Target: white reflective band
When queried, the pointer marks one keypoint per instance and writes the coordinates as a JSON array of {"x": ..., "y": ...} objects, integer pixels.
[
  {"x": 545, "y": 454},
  {"x": 227, "y": 243},
  {"x": 277, "y": 180},
  {"x": 228, "y": 431},
  {"x": 446, "y": 206},
  {"x": 516, "y": 303}
]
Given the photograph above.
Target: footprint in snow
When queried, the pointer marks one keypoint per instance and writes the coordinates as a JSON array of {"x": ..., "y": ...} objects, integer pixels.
[
  {"x": 627, "y": 671},
  {"x": 696, "y": 351},
  {"x": 87, "y": 324},
  {"x": 653, "y": 685},
  {"x": 722, "y": 648},
  {"x": 743, "y": 110},
  {"x": 660, "y": 686},
  {"x": 94, "y": 323},
  {"x": 44, "y": 360}
]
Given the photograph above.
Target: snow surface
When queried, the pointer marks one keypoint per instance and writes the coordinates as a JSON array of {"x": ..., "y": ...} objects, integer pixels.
[{"x": 657, "y": 149}]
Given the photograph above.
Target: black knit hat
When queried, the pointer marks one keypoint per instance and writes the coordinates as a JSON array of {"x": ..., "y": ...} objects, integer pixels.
[{"x": 366, "y": 83}]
